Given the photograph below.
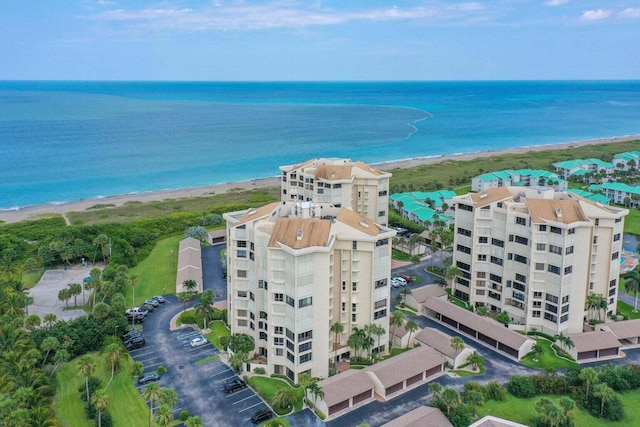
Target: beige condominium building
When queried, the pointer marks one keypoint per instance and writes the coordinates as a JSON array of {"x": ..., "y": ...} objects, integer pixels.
[
  {"x": 537, "y": 254},
  {"x": 298, "y": 266},
  {"x": 339, "y": 183}
]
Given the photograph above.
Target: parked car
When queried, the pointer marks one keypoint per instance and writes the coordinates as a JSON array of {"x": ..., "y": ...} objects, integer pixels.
[
  {"x": 130, "y": 334},
  {"x": 148, "y": 378},
  {"x": 400, "y": 280},
  {"x": 395, "y": 283},
  {"x": 197, "y": 342},
  {"x": 136, "y": 317},
  {"x": 152, "y": 302},
  {"x": 234, "y": 385},
  {"x": 137, "y": 310},
  {"x": 134, "y": 343},
  {"x": 261, "y": 415},
  {"x": 147, "y": 307},
  {"x": 159, "y": 298},
  {"x": 408, "y": 279}
]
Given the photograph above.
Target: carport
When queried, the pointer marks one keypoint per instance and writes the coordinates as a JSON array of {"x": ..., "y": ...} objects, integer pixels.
[
  {"x": 419, "y": 295},
  {"x": 627, "y": 332},
  {"x": 419, "y": 417},
  {"x": 487, "y": 331},
  {"x": 441, "y": 342},
  {"x": 345, "y": 390},
  {"x": 590, "y": 346},
  {"x": 189, "y": 264}
]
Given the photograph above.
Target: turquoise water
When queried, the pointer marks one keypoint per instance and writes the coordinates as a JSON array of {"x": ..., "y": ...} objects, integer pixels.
[{"x": 62, "y": 141}]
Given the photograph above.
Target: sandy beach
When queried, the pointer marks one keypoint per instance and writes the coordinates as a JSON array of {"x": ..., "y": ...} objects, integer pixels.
[{"x": 16, "y": 215}]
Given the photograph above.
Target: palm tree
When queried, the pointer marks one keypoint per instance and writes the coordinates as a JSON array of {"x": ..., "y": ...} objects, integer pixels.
[
  {"x": 284, "y": 398},
  {"x": 415, "y": 260},
  {"x": 75, "y": 289},
  {"x": 86, "y": 367},
  {"x": 404, "y": 292},
  {"x": 190, "y": 285},
  {"x": 538, "y": 350},
  {"x": 632, "y": 285},
  {"x": 411, "y": 326},
  {"x": 100, "y": 401},
  {"x": 397, "y": 319},
  {"x": 474, "y": 398},
  {"x": 316, "y": 391},
  {"x": 378, "y": 331},
  {"x": 450, "y": 398},
  {"x": 151, "y": 393},
  {"x": 137, "y": 368},
  {"x": 596, "y": 302},
  {"x": 476, "y": 361},
  {"x": 451, "y": 273},
  {"x": 356, "y": 340},
  {"x": 64, "y": 295},
  {"x": 193, "y": 422},
  {"x": 589, "y": 376},
  {"x": 204, "y": 306},
  {"x": 50, "y": 319},
  {"x": 48, "y": 344},
  {"x": 184, "y": 298},
  {"x": 168, "y": 396},
  {"x": 164, "y": 415},
  {"x": 435, "y": 389},
  {"x": 567, "y": 404},
  {"x": 101, "y": 242},
  {"x": 238, "y": 359},
  {"x": 101, "y": 310},
  {"x": 337, "y": 328},
  {"x": 113, "y": 354},
  {"x": 133, "y": 281},
  {"x": 32, "y": 322},
  {"x": 457, "y": 344},
  {"x": 605, "y": 393}
]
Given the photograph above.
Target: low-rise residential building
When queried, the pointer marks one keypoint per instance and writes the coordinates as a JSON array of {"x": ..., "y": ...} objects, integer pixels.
[
  {"x": 594, "y": 197},
  {"x": 441, "y": 342},
  {"x": 537, "y": 255},
  {"x": 567, "y": 168},
  {"x": 520, "y": 177},
  {"x": 627, "y": 161},
  {"x": 424, "y": 208},
  {"x": 619, "y": 193}
]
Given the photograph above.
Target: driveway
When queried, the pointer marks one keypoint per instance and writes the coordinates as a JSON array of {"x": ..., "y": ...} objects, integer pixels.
[
  {"x": 212, "y": 271},
  {"x": 200, "y": 388}
]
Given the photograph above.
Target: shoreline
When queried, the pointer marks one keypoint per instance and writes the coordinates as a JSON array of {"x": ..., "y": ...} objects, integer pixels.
[{"x": 22, "y": 213}]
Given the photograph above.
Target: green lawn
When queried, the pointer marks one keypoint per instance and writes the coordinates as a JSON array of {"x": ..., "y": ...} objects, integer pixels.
[
  {"x": 632, "y": 222},
  {"x": 30, "y": 278},
  {"x": 627, "y": 310},
  {"x": 218, "y": 329},
  {"x": 126, "y": 405},
  {"x": 548, "y": 360},
  {"x": 465, "y": 189},
  {"x": 157, "y": 273},
  {"x": 396, "y": 351},
  {"x": 523, "y": 410},
  {"x": 266, "y": 387},
  {"x": 207, "y": 360}
]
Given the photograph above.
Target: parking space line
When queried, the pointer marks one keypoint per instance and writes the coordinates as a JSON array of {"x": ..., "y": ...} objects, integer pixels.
[
  {"x": 147, "y": 359},
  {"x": 226, "y": 378},
  {"x": 149, "y": 351},
  {"x": 246, "y": 398},
  {"x": 153, "y": 364},
  {"x": 253, "y": 406},
  {"x": 226, "y": 369}
]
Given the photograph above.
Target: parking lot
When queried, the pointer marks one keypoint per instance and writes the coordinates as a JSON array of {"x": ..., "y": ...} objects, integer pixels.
[{"x": 200, "y": 388}]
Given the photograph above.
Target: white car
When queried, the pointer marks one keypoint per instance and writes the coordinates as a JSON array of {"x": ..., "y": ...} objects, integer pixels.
[
  {"x": 197, "y": 342},
  {"x": 399, "y": 280},
  {"x": 395, "y": 283}
]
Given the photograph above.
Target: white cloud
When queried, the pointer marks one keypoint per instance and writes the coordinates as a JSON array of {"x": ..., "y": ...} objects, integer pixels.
[
  {"x": 595, "y": 15},
  {"x": 555, "y": 2},
  {"x": 277, "y": 14},
  {"x": 631, "y": 12}
]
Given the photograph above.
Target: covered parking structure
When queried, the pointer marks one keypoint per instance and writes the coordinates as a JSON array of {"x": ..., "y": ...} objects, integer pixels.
[
  {"x": 418, "y": 296},
  {"x": 627, "y": 332},
  {"x": 420, "y": 417},
  {"x": 189, "y": 264},
  {"x": 484, "y": 330},
  {"x": 594, "y": 345},
  {"x": 383, "y": 380},
  {"x": 441, "y": 342}
]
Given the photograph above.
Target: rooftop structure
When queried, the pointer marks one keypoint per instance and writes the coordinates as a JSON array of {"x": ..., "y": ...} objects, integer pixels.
[
  {"x": 619, "y": 193},
  {"x": 567, "y": 168},
  {"x": 520, "y": 178},
  {"x": 424, "y": 208}
]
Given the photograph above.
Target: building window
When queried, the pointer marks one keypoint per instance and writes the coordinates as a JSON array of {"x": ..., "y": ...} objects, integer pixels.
[
  {"x": 242, "y": 294},
  {"x": 381, "y": 283},
  {"x": 354, "y": 318},
  {"x": 537, "y": 294},
  {"x": 483, "y": 239},
  {"x": 551, "y": 298},
  {"x": 482, "y": 257},
  {"x": 496, "y": 260},
  {"x": 521, "y": 221},
  {"x": 462, "y": 248},
  {"x": 380, "y": 314},
  {"x": 569, "y": 250},
  {"x": 241, "y": 273},
  {"x": 263, "y": 336},
  {"x": 382, "y": 193},
  {"x": 613, "y": 283},
  {"x": 354, "y": 245},
  {"x": 521, "y": 278},
  {"x": 290, "y": 357},
  {"x": 262, "y": 284},
  {"x": 542, "y": 227},
  {"x": 463, "y": 266},
  {"x": 464, "y": 232},
  {"x": 550, "y": 307},
  {"x": 305, "y": 302},
  {"x": 344, "y": 307},
  {"x": 278, "y": 341},
  {"x": 304, "y": 347},
  {"x": 551, "y": 317},
  {"x": 241, "y": 243},
  {"x": 536, "y": 313},
  {"x": 564, "y": 318},
  {"x": 481, "y": 274},
  {"x": 555, "y": 249},
  {"x": 241, "y": 253},
  {"x": 290, "y": 335},
  {"x": 344, "y": 286},
  {"x": 495, "y": 278},
  {"x": 379, "y": 304},
  {"x": 278, "y": 330},
  {"x": 541, "y": 247},
  {"x": 252, "y": 297},
  {"x": 539, "y": 266},
  {"x": 497, "y": 242},
  {"x": 555, "y": 230},
  {"x": 565, "y": 299},
  {"x": 354, "y": 307},
  {"x": 291, "y": 301},
  {"x": 465, "y": 207},
  {"x": 616, "y": 237},
  {"x": 521, "y": 259},
  {"x": 615, "y": 256},
  {"x": 242, "y": 323},
  {"x": 537, "y": 304},
  {"x": 278, "y": 297},
  {"x": 568, "y": 270},
  {"x": 571, "y": 231},
  {"x": 305, "y": 358},
  {"x": 354, "y": 286},
  {"x": 382, "y": 242},
  {"x": 303, "y": 336},
  {"x": 242, "y": 313}
]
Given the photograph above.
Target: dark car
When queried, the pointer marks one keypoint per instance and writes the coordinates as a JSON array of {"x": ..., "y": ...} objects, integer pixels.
[
  {"x": 148, "y": 378},
  {"x": 234, "y": 385},
  {"x": 261, "y": 415},
  {"x": 136, "y": 318},
  {"x": 409, "y": 279},
  {"x": 134, "y": 343},
  {"x": 130, "y": 334},
  {"x": 152, "y": 302},
  {"x": 147, "y": 307}
]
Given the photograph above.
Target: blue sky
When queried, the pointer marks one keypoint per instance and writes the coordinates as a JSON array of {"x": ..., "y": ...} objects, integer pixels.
[{"x": 320, "y": 40}]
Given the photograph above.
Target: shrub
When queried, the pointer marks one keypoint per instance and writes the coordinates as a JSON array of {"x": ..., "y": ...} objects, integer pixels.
[
  {"x": 260, "y": 371},
  {"x": 319, "y": 413},
  {"x": 551, "y": 384},
  {"x": 187, "y": 318},
  {"x": 522, "y": 386},
  {"x": 105, "y": 418},
  {"x": 184, "y": 415},
  {"x": 94, "y": 384},
  {"x": 495, "y": 391},
  {"x": 224, "y": 341}
]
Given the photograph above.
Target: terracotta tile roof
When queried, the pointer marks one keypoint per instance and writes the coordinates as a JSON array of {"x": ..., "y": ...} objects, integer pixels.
[
  {"x": 421, "y": 417},
  {"x": 422, "y": 293},
  {"x": 341, "y": 387},
  {"x": 490, "y": 195},
  {"x": 562, "y": 211},
  {"x": 254, "y": 214},
  {"x": 333, "y": 172},
  {"x": 299, "y": 233},
  {"x": 594, "y": 340},
  {"x": 357, "y": 221},
  {"x": 438, "y": 340},
  {"x": 624, "y": 329},
  {"x": 485, "y": 326},
  {"x": 405, "y": 365},
  {"x": 365, "y": 167}
]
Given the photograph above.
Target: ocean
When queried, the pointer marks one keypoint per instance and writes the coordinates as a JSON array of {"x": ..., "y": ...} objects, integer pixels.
[{"x": 67, "y": 140}]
